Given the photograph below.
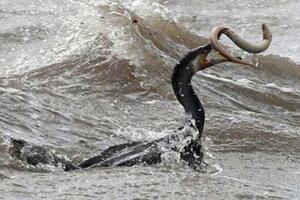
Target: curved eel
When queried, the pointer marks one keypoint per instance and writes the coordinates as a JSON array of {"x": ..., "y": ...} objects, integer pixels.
[{"x": 240, "y": 42}]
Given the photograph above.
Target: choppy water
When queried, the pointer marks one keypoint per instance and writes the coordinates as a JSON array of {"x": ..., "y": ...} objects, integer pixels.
[{"x": 79, "y": 76}]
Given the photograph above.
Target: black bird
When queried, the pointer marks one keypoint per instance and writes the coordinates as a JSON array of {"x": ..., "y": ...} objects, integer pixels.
[{"x": 184, "y": 142}]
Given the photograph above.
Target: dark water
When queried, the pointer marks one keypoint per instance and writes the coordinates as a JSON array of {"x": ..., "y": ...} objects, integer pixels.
[{"x": 77, "y": 77}]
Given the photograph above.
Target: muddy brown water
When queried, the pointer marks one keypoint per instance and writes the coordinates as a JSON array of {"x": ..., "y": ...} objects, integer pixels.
[{"x": 77, "y": 77}]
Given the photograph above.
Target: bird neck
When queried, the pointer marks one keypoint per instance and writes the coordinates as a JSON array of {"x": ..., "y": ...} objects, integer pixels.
[{"x": 181, "y": 82}]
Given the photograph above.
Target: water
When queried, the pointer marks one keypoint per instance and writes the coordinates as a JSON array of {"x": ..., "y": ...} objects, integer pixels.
[{"x": 79, "y": 76}]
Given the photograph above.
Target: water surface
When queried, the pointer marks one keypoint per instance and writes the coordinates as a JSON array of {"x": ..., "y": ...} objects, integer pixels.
[{"x": 78, "y": 76}]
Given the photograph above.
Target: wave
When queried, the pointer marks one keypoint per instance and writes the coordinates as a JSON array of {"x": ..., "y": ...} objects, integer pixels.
[{"x": 133, "y": 55}]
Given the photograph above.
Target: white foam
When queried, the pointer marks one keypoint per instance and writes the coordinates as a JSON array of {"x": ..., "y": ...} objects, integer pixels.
[
  {"x": 282, "y": 89},
  {"x": 140, "y": 134}
]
